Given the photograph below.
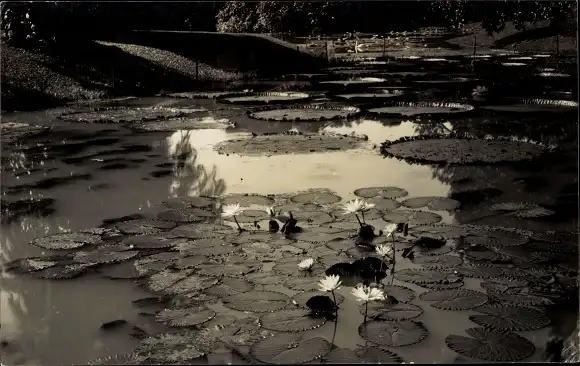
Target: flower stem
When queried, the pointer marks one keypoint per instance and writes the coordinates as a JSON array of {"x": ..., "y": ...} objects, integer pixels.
[
  {"x": 237, "y": 223},
  {"x": 366, "y": 311},
  {"x": 394, "y": 261},
  {"x": 363, "y": 216},
  {"x": 357, "y": 219},
  {"x": 335, "y": 307}
]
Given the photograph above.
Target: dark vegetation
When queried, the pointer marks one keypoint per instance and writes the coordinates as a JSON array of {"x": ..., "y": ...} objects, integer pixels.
[{"x": 50, "y": 54}]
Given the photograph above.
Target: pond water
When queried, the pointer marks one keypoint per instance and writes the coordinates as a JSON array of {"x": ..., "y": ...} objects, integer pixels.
[{"x": 100, "y": 171}]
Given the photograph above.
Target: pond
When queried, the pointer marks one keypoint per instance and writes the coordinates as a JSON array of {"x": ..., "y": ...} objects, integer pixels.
[{"x": 115, "y": 248}]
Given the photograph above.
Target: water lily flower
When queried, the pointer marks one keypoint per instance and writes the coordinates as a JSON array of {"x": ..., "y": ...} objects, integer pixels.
[
  {"x": 366, "y": 294},
  {"x": 390, "y": 229},
  {"x": 355, "y": 206},
  {"x": 231, "y": 211},
  {"x": 479, "y": 90},
  {"x": 384, "y": 250},
  {"x": 306, "y": 265},
  {"x": 330, "y": 283}
]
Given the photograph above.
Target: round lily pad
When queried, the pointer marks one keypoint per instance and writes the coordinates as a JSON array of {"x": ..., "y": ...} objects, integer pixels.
[
  {"x": 144, "y": 226},
  {"x": 426, "y": 276},
  {"x": 371, "y": 97},
  {"x": 401, "y": 293},
  {"x": 291, "y": 320},
  {"x": 512, "y": 318},
  {"x": 407, "y": 109},
  {"x": 66, "y": 241},
  {"x": 444, "y": 231},
  {"x": 104, "y": 255},
  {"x": 120, "y": 359},
  {"x": 187, "y": 202},
  {"x": 63, "y": 272},
  {"x": 304, "y": 113},
  {"x": 279, "y": 144},
  {"x": 155, "y": 263},
  {"x": 200, "y": 231},
  {"x": 289, "y": 348},
  {"x": 412, "y": 217},
  {"x": 27, "y": 265},
  {"x": 229, "y": 286},
  {"x": 317, "y": 196},
  {"x": 438, "y": 261},
  {"x": 206, "y": 95},
  {"x": 302, "y": 284},
  {"x": 385, "y": 192},
  {"x": 257, "y": 301},
  {"x": 362, "y": 355},
  {"x": 246, "y": 200},
  {"x": 536, "y": 106},
  {"x": 383, "y": 310},
  {"x": 393, "y": 333},
  {"x": 186, "y": 317},
  {"x": 229, "y": 270},
  {"x": 148, "y": 241},
  {"x": 176, "y": 348},
  {"x": 266, "y": 98},
  {"x": 433, "y": 203},
  {"x": 454, "y": 149},
  {"x": 123, "y": 115},
  {"x": 491, "y": 345},
  {"x": 355, "y": 81},
  {"x": 457, "y": 299},
  {"x": 183, "y": 124}
]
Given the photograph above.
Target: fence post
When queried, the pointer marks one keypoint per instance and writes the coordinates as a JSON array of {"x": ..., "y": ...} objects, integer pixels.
[{"x": 474, "y": 45}]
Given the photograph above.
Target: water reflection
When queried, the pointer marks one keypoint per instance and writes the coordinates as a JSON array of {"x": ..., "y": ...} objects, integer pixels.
[{"x": 189, "y": 177}]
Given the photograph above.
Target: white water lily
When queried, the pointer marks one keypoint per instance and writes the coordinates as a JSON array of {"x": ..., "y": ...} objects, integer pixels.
[
  {"x": 390, "y": 229},
  {"x": 330, "y": 283},
  {"x": 306, "y": 264},
  {"x": 367, "y": 293},
  {"x": 384, "y": 250},
  {"x": 479, "y": 91},
  {"x": 353, "y": 206},
  {"x": 231, "y": 210}
]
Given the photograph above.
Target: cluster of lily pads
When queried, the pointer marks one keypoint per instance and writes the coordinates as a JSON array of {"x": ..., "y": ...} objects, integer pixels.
[{"x": 269, "y": 277}]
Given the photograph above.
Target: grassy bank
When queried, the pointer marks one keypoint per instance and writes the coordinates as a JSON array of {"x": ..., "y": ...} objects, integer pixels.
[{"x": 137, "y": 64}]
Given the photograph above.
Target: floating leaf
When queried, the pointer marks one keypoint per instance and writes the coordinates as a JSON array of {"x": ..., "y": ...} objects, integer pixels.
[
  {"x": 289, "y": 348},
  {"x": 321, "y": 234},
  {"x": 138, "y": 227},
  {"x": 433, "y": 203},
  {"x": 175, "y": 348},
  {"x": 154, "y": 263},
  {"x": 491, "y": 345},
  {"x": 292, "y": 320},
  {"x": 385, "y": 192},
  {"x": 318, "y": 196},
  {"x": 426, "y": 276},
  {"x": 393, "y": 333},
  {"x": 185, "y": 202},
  {"x": 460, "y": 299},
  {"x": 191, "y": 284},
  {"x": 27, "y": 265},
  {"x": 302, "y": 284},
  {"x": 104, "y": 255},
  {"x": 247, "y": 200},
  {"x": 512, "y": 206},
  {"x": 532, "y": 213},
  {"x": 65, "y": 272},
  {"x": 412, "y": 217},
  {"x": 151, "y": 242},
  {"x": 230, "y": 286},
  {"x": 438, "y": 261},
  {"x": 444, "y": 231},
  {"x": 512, "y": 318},
  {"x": 257, "y": 301},
  {"x": 184, "y": 215},
  {"x": 401, "y": 293},
  {"x": 66, "y": 241},
  {"x": 186, "y": 317},
  {"x": 522, "y": 300},
  {"x": 120, "y": 359},
  {"x": 230, "y": 270},
  {"x": 383, "y": 310}
]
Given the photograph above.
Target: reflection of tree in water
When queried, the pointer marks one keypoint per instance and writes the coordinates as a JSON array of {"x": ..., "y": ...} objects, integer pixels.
[{"x": 190, "y": 178}]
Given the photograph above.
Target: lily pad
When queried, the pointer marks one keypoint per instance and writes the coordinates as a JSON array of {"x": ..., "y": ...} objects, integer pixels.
[
  {"x": 66, "y": 241},
  {"x": 401, "y": 293},
  {"x": 393, "y": 333},
  {"x": 206, "y": 95},
  {"x": 257, "y": 301},
  {"x": 426, "y": 276},
  {"x": 64, "y": 272},
  {"x": 151, "y": 242},
  {"x": 455, "y": 149},
  {"x": 383, "y": 310},
  {"x": 123, "y": 115},
  {"x": 142, "y": 227},
  {"x": 212, "y": 246},
  {"x": 289, "y": 348},
  {"x": 200, "y": 231},
  {"x": 433, "y": 203},
  {"x": 183, "y": 124},
  {"x": 187, "y": 202},
  {"x": 278, "y": 144},
  {"x": 361, "y": 355},
  {"x": 104, "y": 255},
  {"x": 292, "y": 320},
  {"x": 385, "y": 192},
  {"x": 443, "y": 231},
  {"x": 229, "y": 270},
  {"x": 230, "y": 286},
  {"x": 302, "y": 284},
  {"x": 304, "y": 113},
  {"x": 185, "y": 215},
  {"x": 407, "y": 109},
  {"x": 177, "y": 348},
  {"x": 457, "y": 299},
  {"x": 355, "y": 81},
  {"x": 491, "y": 345},
  {"x": 371, "y": 97},
  {"x": 246, "y": 200},
  {"x": 383, "y": 204},
  {"x": 120, "y": 359},
  {"x": 266, "y": 98},
  {"x": 438, "y": 261},
  {"x": 512, "y": 318},
  {"x": 412, "y": 217},
  {"x": 321, "y": 234},
  {"x": 152, "y": 264},
  {"x": 535, "y": 106},
  {"x": 317, "y": 196},
  {"x": 186, "y": 317}
]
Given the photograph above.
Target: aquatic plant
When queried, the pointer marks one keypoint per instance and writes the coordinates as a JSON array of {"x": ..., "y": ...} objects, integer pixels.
[
  {"x": 479, "y": 93},
  {"x": 366, "y": 294},
  {"x": 355, "y": 206},
  {"x": 231, "y": 211},
  {"x": 306, "y": 265},
  {"x": 330, "y": 284}
]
